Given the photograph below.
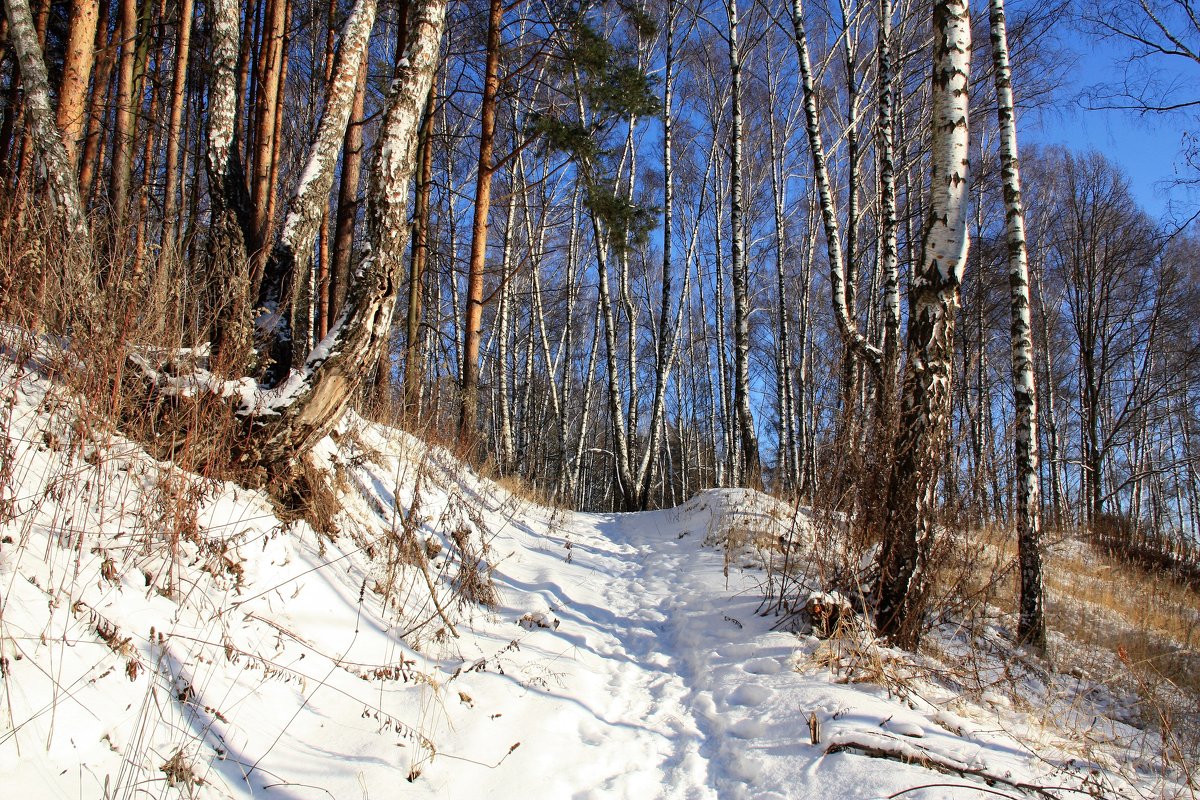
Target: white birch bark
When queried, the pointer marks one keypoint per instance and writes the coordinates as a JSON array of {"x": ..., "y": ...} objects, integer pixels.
[
  {"x": 786, "y": 467},
  {"x": 925, "y": 399},
  {"x": 739, "y": 269},
  {"x": 229, "y": 280},
  {"x": 309, "y": 200},
  {"x": 309, "y": 404},
  {"x": 886, "y": 155},
  {"x": 833, "y": 241},
  {"x": 503, "y": 333},
  {"x": 47, "y": 139},
  {"x": 1031, "y": 627},
  {"x": 667, "y": 333}
]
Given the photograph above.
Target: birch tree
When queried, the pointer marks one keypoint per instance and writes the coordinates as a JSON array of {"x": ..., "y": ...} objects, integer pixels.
[
  {"x": 903, "y": 560},
  {"x": 47, "y": 139},
  {"x": 314, "y": 398},
  {"x": 1031, "y": 626},
  {"x": 748, "y": 466},
  {"x": 847, "y": 326},
  {"x": 310, "y": 199}
]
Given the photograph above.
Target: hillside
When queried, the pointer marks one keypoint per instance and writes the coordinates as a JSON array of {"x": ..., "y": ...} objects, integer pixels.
[{"x": 165, "y": 635}]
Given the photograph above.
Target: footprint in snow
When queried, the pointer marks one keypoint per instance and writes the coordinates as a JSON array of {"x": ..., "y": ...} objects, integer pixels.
[
  {"x": 591, "y": 732},
  {"x": 733, "y": 651},
  {"x": 748, "y": 694},
  {"x": 763, "y": 666},
  {"x": 748, "y": 729}
]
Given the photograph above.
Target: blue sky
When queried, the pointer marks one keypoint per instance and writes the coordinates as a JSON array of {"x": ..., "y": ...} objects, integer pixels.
[{"x": 1148, "y": 147}]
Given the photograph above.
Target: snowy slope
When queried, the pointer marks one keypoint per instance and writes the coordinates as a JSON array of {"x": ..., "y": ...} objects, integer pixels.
[{"x": 165, "y": 636}]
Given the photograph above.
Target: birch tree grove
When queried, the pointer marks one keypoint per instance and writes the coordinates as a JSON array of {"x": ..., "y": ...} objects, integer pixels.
[{"x": 625, "y": 253}]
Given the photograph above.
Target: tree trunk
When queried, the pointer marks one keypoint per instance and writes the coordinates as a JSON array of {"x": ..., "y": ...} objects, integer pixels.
[
  {"x": 77, "y": 70},
  {"x": 183, "y": 39},
  {"x": 229, "y": 226},
  {"x": 925, "y": 399},
  {"x": 886, "y": 137},
  {"x": 418, "y": 260},
  {"x": 347, "y": 205},
  {"x": 47, "y": 139},
  {"x": 122, "y": 158},
  {"x": 293, "y": 419},
  {"x": 102, "y": 77},
  {"x": 1031, "y": 627},
  {"x": 833, "y": 241},
  {"x": 310, "y": 199},
  {"x": 269, "y": 73},
  {"x": 786, "y": 469},
  {"x": 739, "y": 269},
  {"x": 665, "y": 351},
  {"x": 473, "y": 321}
]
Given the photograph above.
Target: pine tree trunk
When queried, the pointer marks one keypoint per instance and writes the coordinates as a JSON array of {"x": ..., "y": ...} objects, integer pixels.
[
  {"x": 122, "y": 158},
  {"x": 77, "y": 70},
  {"x": 269, "y": 74},
  {"x": 473, "y": 321},
  {"x": 925, "y": 399},
  {"x": 105, "y": 58},
  {"x": 183, "y": 40}
]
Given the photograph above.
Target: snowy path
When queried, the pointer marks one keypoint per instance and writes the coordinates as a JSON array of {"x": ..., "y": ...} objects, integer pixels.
[
  {"x": 677, "y": 705},
  {"x": 666, "y": 683}
]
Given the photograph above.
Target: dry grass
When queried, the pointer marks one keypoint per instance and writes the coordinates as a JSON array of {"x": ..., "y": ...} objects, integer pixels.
[{"x": 1096, "y": 600}]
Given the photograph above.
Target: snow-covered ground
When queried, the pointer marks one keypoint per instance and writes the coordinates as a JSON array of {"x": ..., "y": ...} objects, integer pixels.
[{"x": 165, "y": 635}]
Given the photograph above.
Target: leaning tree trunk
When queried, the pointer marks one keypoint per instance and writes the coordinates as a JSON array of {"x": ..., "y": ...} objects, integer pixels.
[
  {"x": 1031, "y": 625},
  {"x": 925, "y": 398},
  {"x": 847, "y": 326},
  {"x": 47, "y": 140},
  {"x": 294, "y": 418},
  {"x": 310, "y": 199}
]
